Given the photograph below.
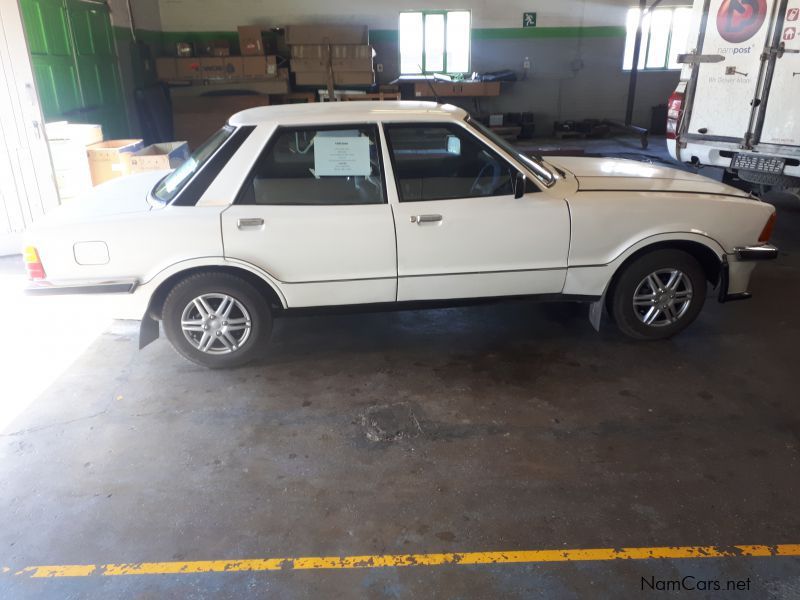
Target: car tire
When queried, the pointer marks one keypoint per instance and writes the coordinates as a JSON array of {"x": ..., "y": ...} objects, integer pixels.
[
  {"x": 658, "y": 295},
  {"x": 217, "y": 320}
]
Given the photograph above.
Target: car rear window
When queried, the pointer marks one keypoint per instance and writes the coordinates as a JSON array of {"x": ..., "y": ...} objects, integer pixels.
[{"x": 172, "y": 184}]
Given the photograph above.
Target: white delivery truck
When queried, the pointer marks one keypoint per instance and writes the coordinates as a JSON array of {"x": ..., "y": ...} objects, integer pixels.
[{"x": 737, "y": 105}]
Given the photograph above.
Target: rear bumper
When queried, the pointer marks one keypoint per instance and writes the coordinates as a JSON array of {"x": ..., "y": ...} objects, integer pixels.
[
  {"x": 710, "y": 153},
  {"x": 735, "y": 275}
]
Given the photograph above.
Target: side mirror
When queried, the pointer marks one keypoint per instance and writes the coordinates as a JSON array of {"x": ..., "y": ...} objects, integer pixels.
[{"x": 519, "y": 185}]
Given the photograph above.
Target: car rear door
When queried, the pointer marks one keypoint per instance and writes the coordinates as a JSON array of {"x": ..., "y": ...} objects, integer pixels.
[
  {"x": 313, "y": 214},
  {"x": 461, "y": 233}
]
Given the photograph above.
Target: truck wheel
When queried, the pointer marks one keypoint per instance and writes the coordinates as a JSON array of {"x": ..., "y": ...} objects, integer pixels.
[
  {"x": 658, "y": 295},
  {"x": 217, "y": 320}
]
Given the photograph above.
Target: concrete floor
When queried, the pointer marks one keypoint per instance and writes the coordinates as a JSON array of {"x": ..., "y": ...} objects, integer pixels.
[{"x": 503, "y": 427}]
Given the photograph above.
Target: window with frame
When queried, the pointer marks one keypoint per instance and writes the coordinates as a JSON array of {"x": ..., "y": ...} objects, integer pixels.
[
  {"x": 434, "y": 42},
  {"x": 444, "y": 162},
  {"x": 339, "y": 165},
  {"x": 665, "y": 34}
]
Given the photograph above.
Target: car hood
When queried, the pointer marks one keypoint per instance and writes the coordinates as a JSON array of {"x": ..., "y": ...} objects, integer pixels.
[
  {"x": 123, "y": 195},
  {"x": 613, "y": 174}
]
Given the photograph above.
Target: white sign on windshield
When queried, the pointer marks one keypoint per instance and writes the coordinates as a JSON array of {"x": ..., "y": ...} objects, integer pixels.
[{"x": 341, "y": 157}]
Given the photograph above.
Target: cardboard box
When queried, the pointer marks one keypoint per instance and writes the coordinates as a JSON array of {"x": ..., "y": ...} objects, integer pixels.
[
  {"x": 304, "y": 65},
  {"x": 188, "y": 68},
  {"x": 196, "y": 118},
  {"x": 358, "y": 78},
  {"x": 166, "y": 68},
  {"x": 259, "y": 66},
  {"x": 299, "y": 65},
  {"x": 465, "y": 89},
  {"x": 159, "y": 157},
  {"x": 84, "y": 134},
  {"x": 212, "y": 68},
  {"x": 67, "y": 142},
  {"x": 107, "y": 160},
  {"x": 352, "y": 51},
  {"x": 354, "y": 77},
  {"x": 251, "y": 41},
  {"x": 218, "y": 48},
  {"x": 234, "y": 66},
  {"x": 283, "y": 74},
  {"x": 327, "y": 34},
  {"x": 312, "y": 51}
]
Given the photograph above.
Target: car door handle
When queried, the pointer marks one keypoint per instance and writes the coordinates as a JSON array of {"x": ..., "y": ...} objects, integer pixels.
[
  {"x": 250, "y": 223},
  {"x": 420, "y": 219}
]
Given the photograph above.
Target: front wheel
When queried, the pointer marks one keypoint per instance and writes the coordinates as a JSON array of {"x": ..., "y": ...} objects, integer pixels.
[
  {"x": 658, "y": 295},
  {"x": 217, "y": 320}
]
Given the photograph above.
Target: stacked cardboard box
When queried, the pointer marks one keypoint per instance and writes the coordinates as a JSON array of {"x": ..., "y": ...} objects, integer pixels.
[
  {"x": 254, "y": 63},
  {"x": 68, "y": 143},
  {"x": 196, "y": 118},
  {"x": 318, "y": 50},
  {"x": 207, "y": 67},
  {"x": 111, "y": 159},
  {"x": 159, "y": 157}
]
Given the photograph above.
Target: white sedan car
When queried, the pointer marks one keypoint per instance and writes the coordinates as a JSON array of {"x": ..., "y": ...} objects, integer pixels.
[{"x": 393, "y": 204}]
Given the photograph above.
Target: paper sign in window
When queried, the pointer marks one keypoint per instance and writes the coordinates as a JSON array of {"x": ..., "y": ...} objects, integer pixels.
[{"x": 341, "y": 156}]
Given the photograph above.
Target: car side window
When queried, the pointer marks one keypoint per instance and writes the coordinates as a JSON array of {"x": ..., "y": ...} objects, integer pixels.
[
  {"x": 312, "y": 166},
  {"x": 443, "y": 161}
]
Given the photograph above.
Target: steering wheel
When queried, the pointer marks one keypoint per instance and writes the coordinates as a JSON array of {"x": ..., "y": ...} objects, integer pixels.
[{"x": 479, "y": 189}]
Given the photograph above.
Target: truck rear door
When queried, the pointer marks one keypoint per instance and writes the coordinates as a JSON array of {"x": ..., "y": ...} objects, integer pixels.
[
  {"x": 781, "y": 124},
  {"x": 737, "y": 30}
]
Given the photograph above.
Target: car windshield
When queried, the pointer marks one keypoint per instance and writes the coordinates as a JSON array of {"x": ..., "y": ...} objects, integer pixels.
[
  {"x": 533, "y": 164},
  {"x": 172, "y": 184}
]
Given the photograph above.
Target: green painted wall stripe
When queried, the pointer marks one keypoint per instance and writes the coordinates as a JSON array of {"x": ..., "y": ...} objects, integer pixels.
[
  {"x": 164, "y": 41},
  {"x": 546, "y": 32},
  {"x": 516, "y": 33}
]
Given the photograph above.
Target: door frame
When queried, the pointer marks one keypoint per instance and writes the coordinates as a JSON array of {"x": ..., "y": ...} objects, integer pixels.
[{"x": 23, "y": 130}]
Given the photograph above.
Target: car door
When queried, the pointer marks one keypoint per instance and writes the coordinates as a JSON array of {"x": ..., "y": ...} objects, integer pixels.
[
  {"x": 313, "y": 214},
  {"x": 461, "y": 232}
]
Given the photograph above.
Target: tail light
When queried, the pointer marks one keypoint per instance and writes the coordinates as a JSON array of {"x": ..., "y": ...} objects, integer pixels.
[
  {"x": 674, "y": 114},
  {"x": 33, "y": 263},
  {"x": 766, "y": 233}
]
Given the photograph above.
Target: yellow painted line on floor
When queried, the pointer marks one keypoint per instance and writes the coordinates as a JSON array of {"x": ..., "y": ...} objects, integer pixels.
[{"x": 405, "y": 560}]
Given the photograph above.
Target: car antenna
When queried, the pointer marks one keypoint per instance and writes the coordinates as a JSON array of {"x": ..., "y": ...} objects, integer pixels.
[{"x": 430, "y": 85}]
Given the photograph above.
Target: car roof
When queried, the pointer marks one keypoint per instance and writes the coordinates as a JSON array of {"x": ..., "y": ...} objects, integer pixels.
[{"x": 339, "y": 112}]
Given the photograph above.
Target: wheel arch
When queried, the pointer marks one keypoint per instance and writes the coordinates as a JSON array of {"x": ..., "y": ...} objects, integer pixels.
[
  {"x": 159, "y": 295},
  {"x": 710, "y": 260}
]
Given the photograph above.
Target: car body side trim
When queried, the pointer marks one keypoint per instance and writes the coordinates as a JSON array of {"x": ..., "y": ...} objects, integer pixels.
[
  {"x": 433, "y": 304},
  {"x": 98, "y": 288},
  {"x": 743, "y": 197}
]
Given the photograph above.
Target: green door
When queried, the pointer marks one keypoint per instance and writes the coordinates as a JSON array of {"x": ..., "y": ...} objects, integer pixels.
[{"x": 75, "y": 63}]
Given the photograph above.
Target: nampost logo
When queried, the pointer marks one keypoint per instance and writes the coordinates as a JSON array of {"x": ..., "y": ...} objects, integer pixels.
[{"x": 739, "y": 20}]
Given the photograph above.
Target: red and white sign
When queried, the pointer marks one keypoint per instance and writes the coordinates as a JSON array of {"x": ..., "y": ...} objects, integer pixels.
[
  {"x": 793, "y": 14},
  {"x": 789, "y": 34},
  {"x": 740, "y": 20}
]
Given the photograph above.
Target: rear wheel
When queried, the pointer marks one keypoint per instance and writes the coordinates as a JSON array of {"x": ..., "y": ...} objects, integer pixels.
[
  {"x": 217, "y": 320},
  {"x": 658, "y": 295}
]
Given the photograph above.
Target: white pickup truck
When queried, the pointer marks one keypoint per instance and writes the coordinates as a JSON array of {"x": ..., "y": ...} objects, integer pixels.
[{"x": 737, "y": 104}]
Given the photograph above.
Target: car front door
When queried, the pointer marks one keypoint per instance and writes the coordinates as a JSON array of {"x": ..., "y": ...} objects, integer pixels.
[
  {"x": 313, "y": 214},
  {"x": 461, "y": 232}
]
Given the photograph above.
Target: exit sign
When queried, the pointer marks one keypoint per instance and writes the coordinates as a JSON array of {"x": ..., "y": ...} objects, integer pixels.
[{"x": 529, "y": 19}]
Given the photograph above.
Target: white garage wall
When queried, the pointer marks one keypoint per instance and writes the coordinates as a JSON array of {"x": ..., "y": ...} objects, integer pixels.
[
  {"x": 216, "y": 15},
  {"x": 576, "y": 50}
]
